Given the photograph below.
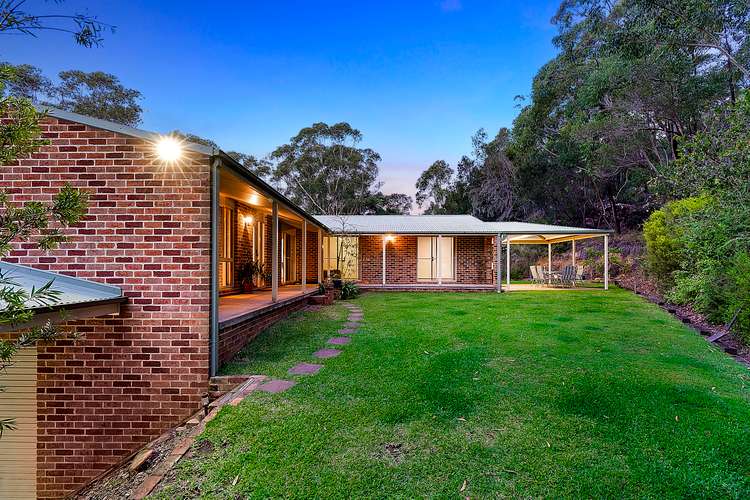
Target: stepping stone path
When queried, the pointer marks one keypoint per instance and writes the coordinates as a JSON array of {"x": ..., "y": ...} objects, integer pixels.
[
  {"x": 274, "y": 386},
  {"x": 351, "y": 324},
  {"x": 339, "y": 340},
  {"x": 348, "y": 331},
  {"x": 326, "y": 353},
  {"x": 305, "y": 369}
]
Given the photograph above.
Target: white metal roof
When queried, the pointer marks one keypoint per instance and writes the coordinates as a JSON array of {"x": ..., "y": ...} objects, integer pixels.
[
  {"x": 72, "y": 291},
  {"x": 447, "y": 224}
]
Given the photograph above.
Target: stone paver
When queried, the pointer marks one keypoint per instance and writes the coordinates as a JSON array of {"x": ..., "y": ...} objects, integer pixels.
[
  {"x": 352, "y": 324},
  {"x": 355, "y": 317},
  {"x": 339, "y": 340},
  {"x": 274, "y": 386},
  {"x": 305, "y": 369},
  {"x": 348, "y": 331},
  {"x": 326, "y": 353}
]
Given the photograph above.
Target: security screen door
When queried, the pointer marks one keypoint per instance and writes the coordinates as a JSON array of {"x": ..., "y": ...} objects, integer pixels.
[{"x": 427, "y": 258}]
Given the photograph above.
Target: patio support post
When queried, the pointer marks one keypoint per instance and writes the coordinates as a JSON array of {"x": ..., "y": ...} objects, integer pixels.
[
  {"x": 606, "y": 262},
  {"x": 439, "y": 251},
  {"x": 507, "y": 261},
  {"x": 499, "y": 263},
  {"x": 574, "y": 253},
  {"x": 384, "y": 242},
  {"x": 275, "y": 253},
  {"x": 320, "y": 256},
  {"x": 304, "y": 255},
  {"x": 549, "y": 263}
]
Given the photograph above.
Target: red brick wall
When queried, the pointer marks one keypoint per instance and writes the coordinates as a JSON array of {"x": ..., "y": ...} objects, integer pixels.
[
  {"x": 147, "y": 231},
  {"x": 233, "y": 338},
  {"x": 473, "y": 255},
  {"x": 312, "y": 257},
  {"x": 474, "y": 260}
]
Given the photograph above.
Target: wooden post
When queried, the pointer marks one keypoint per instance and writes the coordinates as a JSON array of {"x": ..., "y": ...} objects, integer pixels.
[
  {"x": 275, "y": 253},
  {"x": 439, "y": 254},
  {"x": 574, "y": 253},
  {"x": 549, "y": 263},
  {"x": 507, "y": 260},
  {"x": 304, "y": 254},
  {"x": 384, "y": 242},
  {"x": 499, "y": 263},
  {"x": 606, "y": 262}
]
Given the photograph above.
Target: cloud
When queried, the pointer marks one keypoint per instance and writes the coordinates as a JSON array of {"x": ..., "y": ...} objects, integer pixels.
[{"x": 450, "y": 5}]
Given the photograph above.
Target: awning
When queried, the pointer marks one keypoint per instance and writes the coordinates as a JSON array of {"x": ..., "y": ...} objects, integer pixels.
[{"x": 78, "y": 298}]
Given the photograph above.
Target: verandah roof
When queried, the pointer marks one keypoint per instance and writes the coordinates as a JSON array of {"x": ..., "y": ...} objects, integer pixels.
[{"x": 517, "y": 232}]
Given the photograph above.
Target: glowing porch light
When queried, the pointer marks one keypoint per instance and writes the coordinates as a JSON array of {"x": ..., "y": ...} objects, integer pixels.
[
  {"x": 169, "y": 149},
  {"x": 248, "y": 220},
  {"x": 390, "y": 238}
]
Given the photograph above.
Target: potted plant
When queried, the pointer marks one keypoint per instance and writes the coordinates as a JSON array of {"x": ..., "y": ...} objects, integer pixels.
[
  {"x": 336, "y": 278},
  {"x": 249, "y": 270}
]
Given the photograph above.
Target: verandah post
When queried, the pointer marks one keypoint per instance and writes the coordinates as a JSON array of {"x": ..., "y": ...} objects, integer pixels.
[
  {"x": 549, "y": 263},
  {"x": 606, "y": 262},
  {"x": 275, "y": 253},
  {"x": 499, "y": 263},
  {"x": 304, "y": 254},
  {"x": 507, "y": 260},
  {"x": 384, "y": 242},
  {"x": 439, "y": 256}
]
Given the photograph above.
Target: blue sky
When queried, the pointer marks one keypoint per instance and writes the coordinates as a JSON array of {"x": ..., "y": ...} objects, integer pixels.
[{"x": 418, "y": 78}]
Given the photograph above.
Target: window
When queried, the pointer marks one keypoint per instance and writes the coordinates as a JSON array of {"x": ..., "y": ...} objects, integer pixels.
[
  {"x": 341, "y": 253},
  {"x": 430, "y": 257},
  {"x": 226, "y": 247}
]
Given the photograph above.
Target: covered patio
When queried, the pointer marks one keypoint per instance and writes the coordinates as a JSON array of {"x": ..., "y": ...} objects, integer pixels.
[
  {"x": 523, "y": 233},
  {"x": 242, "y": 306}
]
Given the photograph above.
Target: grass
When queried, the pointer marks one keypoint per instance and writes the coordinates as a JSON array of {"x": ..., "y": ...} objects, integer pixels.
[{"x": 526, "y": 394}]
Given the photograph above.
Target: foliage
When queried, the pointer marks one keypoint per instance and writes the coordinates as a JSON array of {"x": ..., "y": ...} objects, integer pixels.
[
  {"x": 483, "y": 184},
  {"x": 662, "y": 234},
  {"x": 349, "y": 290},
  {"x": 96, "y": 94},
  {"x": 520, "y": 394},
  {"x": 16, "y": 19},
  {"x": 324, "y": 170},
  {"x": 251, "y": 269}
]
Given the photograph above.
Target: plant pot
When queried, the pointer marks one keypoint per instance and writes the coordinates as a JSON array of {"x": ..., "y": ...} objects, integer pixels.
[
  {"x": 337, "y": 283},
  {"x": 248, "y": 286}
]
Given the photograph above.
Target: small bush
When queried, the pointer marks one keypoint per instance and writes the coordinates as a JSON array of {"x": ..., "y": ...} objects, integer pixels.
[
  {"x": 349, "y": 290},
  {"x": 665, "y": 249}
]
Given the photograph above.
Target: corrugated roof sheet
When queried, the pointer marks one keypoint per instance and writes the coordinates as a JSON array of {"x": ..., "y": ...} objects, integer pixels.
[
  {"x": 440, "y": 224},
  {"x": 73, "y": 291}
]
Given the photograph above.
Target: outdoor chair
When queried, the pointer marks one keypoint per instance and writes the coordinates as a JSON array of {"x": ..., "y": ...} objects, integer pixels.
[
  {"x": 579, "y": 273},
  {"x": 568, "y": 276},
  {"x": 535, "y": 277}
]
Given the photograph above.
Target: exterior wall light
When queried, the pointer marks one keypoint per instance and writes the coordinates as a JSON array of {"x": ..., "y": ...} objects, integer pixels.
[
  {"x": 248, "y": 220},
  {"x": 169, "y": 149},
  {"x": 390, "y": 238}
]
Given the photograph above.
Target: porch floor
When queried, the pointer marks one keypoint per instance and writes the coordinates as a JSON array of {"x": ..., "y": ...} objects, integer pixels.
[{"x": 241, "y": 304}]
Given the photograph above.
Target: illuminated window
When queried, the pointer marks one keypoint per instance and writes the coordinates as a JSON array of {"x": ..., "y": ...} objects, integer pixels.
[
  {"x": 341, "y": 253},
  {"x": 226, "y": 248}
]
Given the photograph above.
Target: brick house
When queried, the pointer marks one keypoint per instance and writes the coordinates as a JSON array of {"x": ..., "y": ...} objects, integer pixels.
[{"x": 170, "y": 231}]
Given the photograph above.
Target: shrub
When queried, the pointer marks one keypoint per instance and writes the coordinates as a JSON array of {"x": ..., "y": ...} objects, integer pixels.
[
  {"x": 665, "y": 249},
  {"x": 349, "y": 290}
]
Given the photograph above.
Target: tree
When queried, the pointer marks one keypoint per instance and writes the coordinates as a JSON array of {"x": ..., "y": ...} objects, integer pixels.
[
  {"x": 15, "y": 18},
  {"x": 20, "y": 135},
  {"x": 434, "y": 185},
  {"x": 323, "y": 170},
  {"x": 389, "y": 204},
  {"x": 96, "y": 94}
]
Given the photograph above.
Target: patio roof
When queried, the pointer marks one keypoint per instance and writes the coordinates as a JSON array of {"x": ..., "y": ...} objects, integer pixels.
[
  {"x": 78, "y": 297},
  {"x": 519, "y": 232}
]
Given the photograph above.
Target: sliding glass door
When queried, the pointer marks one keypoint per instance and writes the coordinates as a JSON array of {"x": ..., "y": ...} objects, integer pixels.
[{"x": 430, "y": 258}]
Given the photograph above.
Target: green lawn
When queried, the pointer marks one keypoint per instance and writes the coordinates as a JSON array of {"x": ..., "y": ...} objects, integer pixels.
[{"x": 535, "y": 394}]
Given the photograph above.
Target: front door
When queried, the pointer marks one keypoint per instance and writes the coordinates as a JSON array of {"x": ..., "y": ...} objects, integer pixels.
[{"x": 431, "y": 259}]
